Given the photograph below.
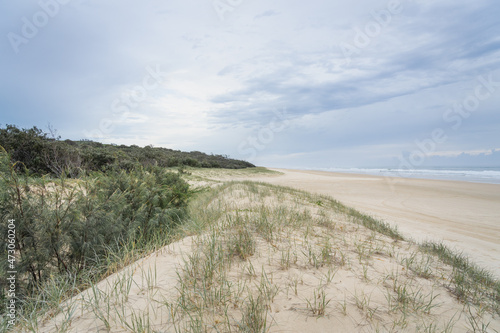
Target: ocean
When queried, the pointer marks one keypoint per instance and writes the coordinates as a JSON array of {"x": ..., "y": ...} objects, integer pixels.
[{"x": 489, "y": 175}]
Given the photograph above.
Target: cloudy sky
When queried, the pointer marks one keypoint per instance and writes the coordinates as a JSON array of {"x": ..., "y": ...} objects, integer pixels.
[{"x": 286, "y": 83}]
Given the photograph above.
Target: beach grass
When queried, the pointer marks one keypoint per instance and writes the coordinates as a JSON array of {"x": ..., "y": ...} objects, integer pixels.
[{"x": 255, "y": 257}]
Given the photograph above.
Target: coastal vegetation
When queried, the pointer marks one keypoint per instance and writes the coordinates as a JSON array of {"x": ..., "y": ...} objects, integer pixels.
[
  {"x": 155, "y": 249},
  {"x": 73, "y": 230},
  {"x": 45, "y": 153}
]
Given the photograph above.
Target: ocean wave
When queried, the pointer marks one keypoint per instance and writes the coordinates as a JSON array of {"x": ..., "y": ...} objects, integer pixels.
[{"x": 488, "y": 175}]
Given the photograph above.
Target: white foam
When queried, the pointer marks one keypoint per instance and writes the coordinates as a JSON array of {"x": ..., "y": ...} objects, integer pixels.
[{"x": 480, "y": 175}]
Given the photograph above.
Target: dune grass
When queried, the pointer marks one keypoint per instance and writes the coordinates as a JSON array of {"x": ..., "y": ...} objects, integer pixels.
[
  {"x": 311, "y": 218},
  {"x": 259, "y": 250}
]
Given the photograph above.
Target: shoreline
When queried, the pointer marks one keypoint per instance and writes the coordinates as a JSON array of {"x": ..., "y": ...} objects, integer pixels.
[
  {"x": 464, "y": 215},
  {"x": 460, "y": 175}
]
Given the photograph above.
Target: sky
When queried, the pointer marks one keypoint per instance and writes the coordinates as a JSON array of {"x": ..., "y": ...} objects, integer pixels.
[{"x": 282, "y": 83}]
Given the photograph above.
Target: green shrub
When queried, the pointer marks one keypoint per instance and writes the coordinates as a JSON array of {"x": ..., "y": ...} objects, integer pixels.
[
  {"x": 67, "y": 227},
  {"x": 43, "y": 154},
  {"x": 28, "y": 146}
]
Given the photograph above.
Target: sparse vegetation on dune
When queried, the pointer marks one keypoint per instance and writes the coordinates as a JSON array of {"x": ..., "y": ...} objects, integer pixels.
[{"x": 254, "y": 257}]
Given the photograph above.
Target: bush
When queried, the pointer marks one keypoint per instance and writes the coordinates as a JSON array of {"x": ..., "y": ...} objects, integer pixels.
[
  {"x": 26, "y": 146},
  {"x": 42, "y": 155},
  {"x": 66, "y": 226}
]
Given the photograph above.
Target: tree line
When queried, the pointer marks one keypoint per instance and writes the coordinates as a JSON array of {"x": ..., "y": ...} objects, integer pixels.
[{"x": 43, "y": 153}]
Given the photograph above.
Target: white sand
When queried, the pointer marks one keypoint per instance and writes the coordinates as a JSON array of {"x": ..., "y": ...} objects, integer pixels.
[
  {"x": 362, "y": 290},
  {"x": 466, "y": 216}
]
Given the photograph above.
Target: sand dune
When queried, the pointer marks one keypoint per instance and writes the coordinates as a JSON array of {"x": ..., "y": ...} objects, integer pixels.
[
  {"x": 264, "y": 258},
  {"x": 466, "y": 216}
]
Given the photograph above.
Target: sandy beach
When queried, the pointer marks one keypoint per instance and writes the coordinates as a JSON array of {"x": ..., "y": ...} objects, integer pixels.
[
  {"x": 255, "y": 257},
  {"x": 466, "y": 216}
]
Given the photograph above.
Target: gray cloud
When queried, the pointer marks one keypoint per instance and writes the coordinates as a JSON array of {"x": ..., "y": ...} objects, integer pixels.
[{"x": 226, "y": 78}]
